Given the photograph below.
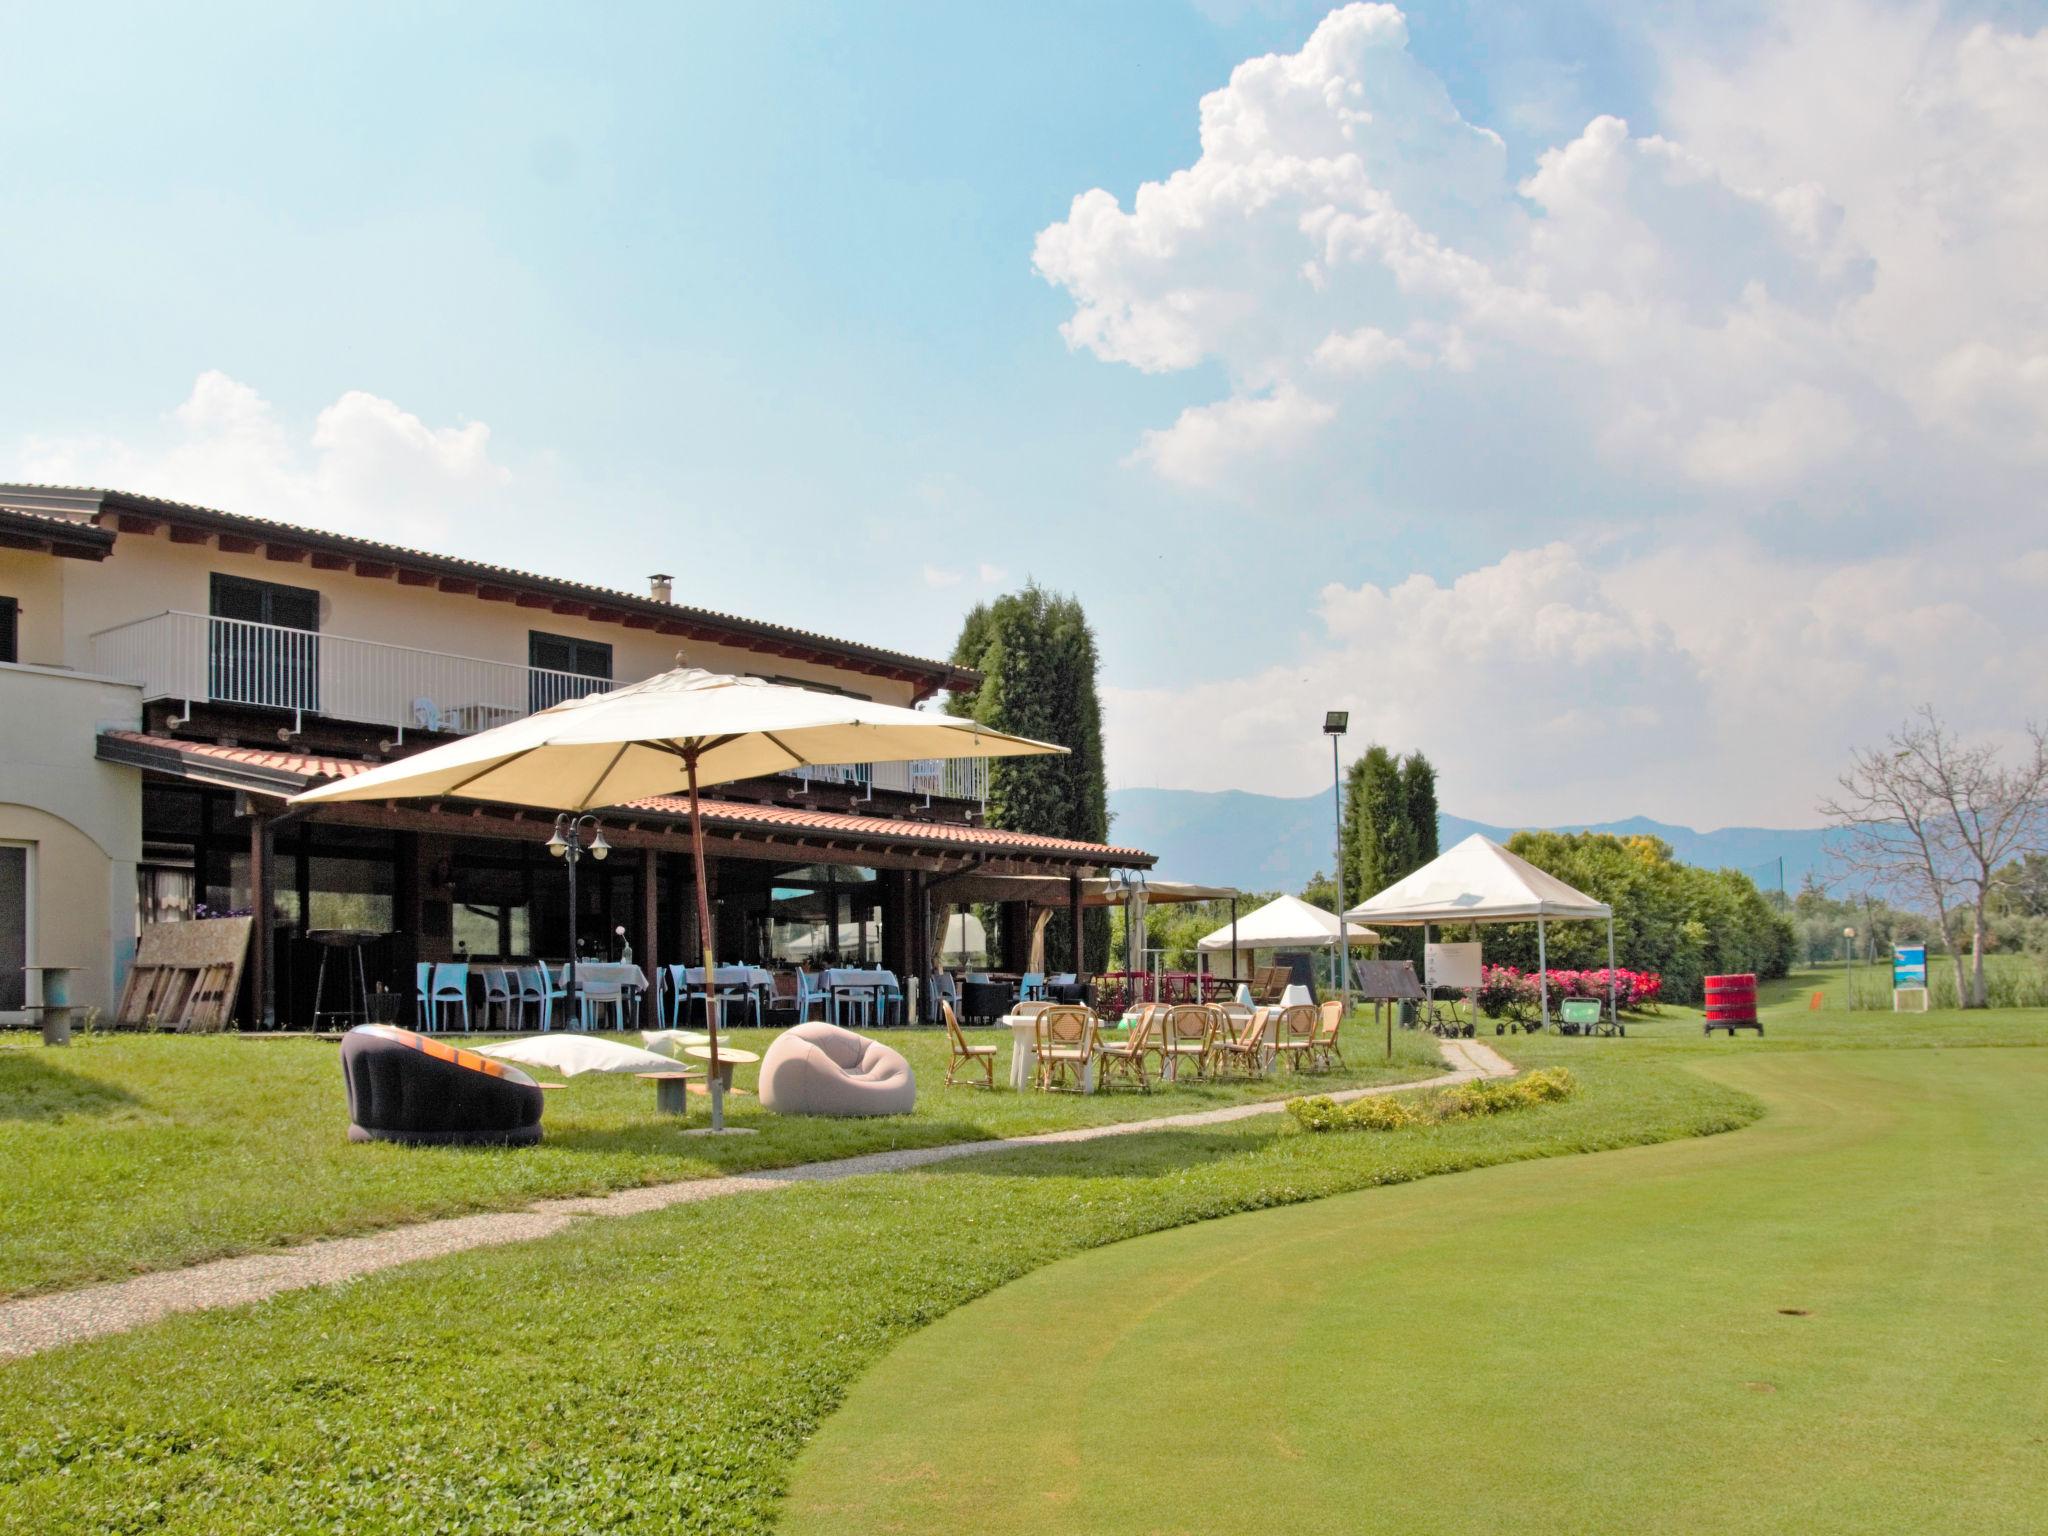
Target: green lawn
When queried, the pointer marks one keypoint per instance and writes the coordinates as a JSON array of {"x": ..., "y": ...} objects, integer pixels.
[
  {"x": 1829, "y": 1323},
  {"x": 131, "y": 1152},
  {"x": 661, "y": 1373}
]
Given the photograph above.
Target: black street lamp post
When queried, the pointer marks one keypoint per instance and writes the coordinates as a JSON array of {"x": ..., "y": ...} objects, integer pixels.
[{"x": 567, "y": 844}]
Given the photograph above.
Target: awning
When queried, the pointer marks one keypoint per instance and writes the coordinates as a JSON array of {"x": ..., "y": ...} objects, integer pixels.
[
  {"x": 1286, "y": 922},
  {"x": 1477, "y": 882},
  {"x": 774, "y": 830}
]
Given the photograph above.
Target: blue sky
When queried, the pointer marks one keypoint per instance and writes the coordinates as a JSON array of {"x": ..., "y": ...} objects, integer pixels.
[{"x": 747, "y": 293}]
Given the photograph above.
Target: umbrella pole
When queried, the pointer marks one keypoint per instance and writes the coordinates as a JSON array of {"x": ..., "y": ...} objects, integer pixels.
[{"x": 717, "y": 1083}]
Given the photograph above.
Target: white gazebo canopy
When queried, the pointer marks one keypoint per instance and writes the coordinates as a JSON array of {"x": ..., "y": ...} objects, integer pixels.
[
  {"x": 1481, "y": 882},
  {"x": 1477, "y": 882},
  {"x": 1285, "y": 922}
]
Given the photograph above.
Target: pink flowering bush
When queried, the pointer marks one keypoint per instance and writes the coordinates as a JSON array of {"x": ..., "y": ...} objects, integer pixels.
[{"x": 1507, "y": 992}]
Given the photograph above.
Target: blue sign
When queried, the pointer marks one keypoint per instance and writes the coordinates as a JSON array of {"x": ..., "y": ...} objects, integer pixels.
[{"x": 1909, "y": 966}]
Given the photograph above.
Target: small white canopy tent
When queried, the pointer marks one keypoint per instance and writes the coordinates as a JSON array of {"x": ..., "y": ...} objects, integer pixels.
[
  {"x": 1285, "y": 922},
  {"x": 1479, "y": 881}
]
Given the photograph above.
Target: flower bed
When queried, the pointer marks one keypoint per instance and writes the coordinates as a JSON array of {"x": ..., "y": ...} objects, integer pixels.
[{"x": 1505, "y": 992}]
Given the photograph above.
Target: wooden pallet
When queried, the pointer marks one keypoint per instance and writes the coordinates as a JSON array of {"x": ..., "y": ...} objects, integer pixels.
[{"x": 186, "y": 975}]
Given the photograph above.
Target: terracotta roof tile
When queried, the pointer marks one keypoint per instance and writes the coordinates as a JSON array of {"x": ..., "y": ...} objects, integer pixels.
[{"x": 722, "y": 813}]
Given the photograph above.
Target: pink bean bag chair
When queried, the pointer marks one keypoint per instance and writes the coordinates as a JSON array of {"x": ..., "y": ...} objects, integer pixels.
[{"x": 821, "y": 1069}]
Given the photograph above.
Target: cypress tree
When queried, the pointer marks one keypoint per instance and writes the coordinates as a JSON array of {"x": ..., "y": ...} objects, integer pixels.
[
  {"x": 1038, "y": 662},
  {"x": 1373, "y": 834},
  {"x": 1418, "y": 800},
  {"x": 1389, "y": 830}
]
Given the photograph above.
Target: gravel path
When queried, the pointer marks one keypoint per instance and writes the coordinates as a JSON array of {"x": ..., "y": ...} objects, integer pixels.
[{"x": 37, "y": 1323}]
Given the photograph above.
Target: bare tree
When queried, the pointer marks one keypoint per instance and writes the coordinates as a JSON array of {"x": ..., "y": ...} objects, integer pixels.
[{"x": 1931, "y": 817}]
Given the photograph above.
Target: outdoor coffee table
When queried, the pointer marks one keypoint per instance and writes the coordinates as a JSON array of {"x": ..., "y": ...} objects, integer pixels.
[
  {"x": 671, "y": 1091},
  {"x": 728, "y": 1057}
]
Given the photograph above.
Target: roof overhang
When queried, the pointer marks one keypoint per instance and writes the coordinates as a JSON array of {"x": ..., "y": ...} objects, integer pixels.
[
  {"x": 734, "y": 829},
  {"x": 43, "y": 534}
]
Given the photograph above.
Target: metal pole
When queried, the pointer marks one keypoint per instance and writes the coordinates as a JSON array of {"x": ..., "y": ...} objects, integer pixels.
[
  {"x": 1428, "y": 980},
  {"x": 1233, "y": 940},
  {"x": 716, "y": 1085},
  {"x": 1343, "y": 923},
  {"x": 1542, "y": 972},
  {"x": 573, "y": 855},
  {"x": 1613, "y": 1013}
]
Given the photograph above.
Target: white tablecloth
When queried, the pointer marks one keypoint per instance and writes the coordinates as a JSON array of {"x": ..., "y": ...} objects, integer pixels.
[
  {"x": 1296, "y": 996},
  {"x": 604, "y": 975}
]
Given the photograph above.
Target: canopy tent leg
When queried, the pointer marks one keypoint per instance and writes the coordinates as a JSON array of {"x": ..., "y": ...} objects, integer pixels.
[
  {"x": 1542, "y": 972},
  {"x": 1613, "y": 1013},
  {"x": 1428, "y": 981}
]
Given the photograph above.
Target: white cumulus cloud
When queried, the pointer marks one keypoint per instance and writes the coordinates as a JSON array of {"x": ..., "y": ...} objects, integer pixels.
[
  {"x": 1753, "y": 390},
  {"x": 366, "y": 466}
]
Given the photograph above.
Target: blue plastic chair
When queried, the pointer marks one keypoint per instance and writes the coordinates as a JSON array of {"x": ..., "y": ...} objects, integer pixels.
[
  {"x": 450, "y": 990},
  {"x": 537, "y": 985},
  {"x": 888, "y": 998},
  {"x": 1031, "y": 987}
]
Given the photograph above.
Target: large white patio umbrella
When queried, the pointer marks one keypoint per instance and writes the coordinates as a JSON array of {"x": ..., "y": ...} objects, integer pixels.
[
  {"x": 1478, "y": 881},
  {"x": 673, "y": 732}
]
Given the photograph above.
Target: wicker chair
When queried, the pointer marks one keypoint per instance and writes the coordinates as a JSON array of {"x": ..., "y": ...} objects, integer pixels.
[
  {"x": 1247, "y": 1048},
  {"x": 1326, "y": 1053},
  {"x": 1295, "y": 1040},
  {"x": 1269, "y": 982},
  {"x": 1155, "y": 1038},
  {"x": 1066, "y": 1045},
  {"x": 1127, "y": 1055},
  {"x": 964, "y": 1050},
  {"x": 1189, "y": 1035}
]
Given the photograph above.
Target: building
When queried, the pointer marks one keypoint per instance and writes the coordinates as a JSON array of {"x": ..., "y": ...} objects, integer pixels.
[{"x": 169, "y": 674}]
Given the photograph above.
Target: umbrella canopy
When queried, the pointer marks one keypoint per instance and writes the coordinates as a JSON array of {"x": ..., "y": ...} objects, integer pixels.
[
  {"x": 677, "y": 730},
  {"x": 1284, "y": 923},
  {"x": 631, "y": 743},
  {"x": 1478, "y": 881}
]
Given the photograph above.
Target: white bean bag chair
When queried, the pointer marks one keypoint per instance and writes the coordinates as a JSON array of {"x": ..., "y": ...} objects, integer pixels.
[
  {"x": 572, "y": 1054},
  {"x": 821, "y": 1069}
]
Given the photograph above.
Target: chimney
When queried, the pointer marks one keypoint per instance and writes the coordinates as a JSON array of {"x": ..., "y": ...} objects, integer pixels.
[{"x": 661, "y": 588}]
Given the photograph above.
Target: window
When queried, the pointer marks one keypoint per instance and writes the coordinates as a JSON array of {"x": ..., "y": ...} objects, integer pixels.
[
  {"x": 561, "y": 667},
  {"x": 265, "y": 602},
  {"x": 14, "y": 925},
  {"x": 263, "y": 645},
  {"x": 10, "y": 629}
]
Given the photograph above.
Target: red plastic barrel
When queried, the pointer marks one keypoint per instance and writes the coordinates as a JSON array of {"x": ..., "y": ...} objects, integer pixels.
[{"x": 1731, "y": 999}]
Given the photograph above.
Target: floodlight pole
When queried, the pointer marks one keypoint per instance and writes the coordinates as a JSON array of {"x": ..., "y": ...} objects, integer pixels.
[{"x": 1335, "y": 723}]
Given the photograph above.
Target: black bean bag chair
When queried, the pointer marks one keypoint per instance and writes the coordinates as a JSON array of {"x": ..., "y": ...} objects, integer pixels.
[{"x": 412, "y": 1088}]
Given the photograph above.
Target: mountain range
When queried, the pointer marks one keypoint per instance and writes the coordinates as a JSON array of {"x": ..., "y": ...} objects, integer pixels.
[{"x": 1273, "y": 842}]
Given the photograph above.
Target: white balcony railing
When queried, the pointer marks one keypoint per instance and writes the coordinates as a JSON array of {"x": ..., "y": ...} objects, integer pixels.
[
  {"x": 200, "y": 659},
  {"x": 946, "y": 778}
]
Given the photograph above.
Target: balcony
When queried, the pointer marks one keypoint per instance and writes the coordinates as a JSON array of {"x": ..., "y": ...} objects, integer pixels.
[{"x": 199, "y": 659}]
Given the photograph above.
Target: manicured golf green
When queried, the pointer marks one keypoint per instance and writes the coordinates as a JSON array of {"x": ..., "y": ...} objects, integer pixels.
[{"x": 1829, "y": 1322}]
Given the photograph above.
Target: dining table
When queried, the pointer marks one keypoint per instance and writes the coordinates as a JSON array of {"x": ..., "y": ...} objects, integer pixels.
[
  {"x": 1024, "y": 1053},
  {"x": 600, "y": 978}
]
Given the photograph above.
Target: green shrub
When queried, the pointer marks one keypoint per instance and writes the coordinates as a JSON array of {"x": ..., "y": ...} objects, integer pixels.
[
  {"x": 1385, "y": 1112},
  {"x": 1321, "y": 1113},
  {"x": 1381, "y": 1112}
]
